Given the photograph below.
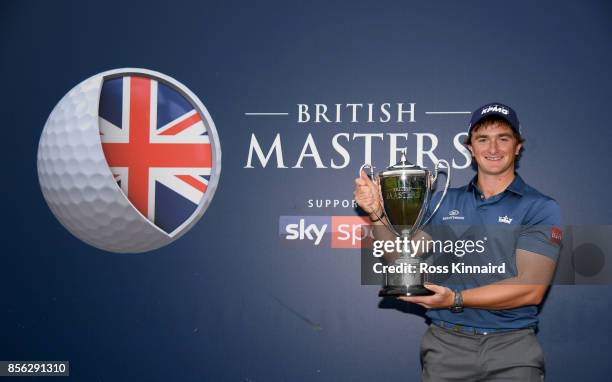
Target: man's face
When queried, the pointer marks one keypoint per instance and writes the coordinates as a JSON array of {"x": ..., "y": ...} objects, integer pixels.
[{"x": 494, "y": 148}]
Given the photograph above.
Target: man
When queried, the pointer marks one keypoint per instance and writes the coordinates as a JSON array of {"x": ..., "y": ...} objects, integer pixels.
[{"x": 484, "y": 331}]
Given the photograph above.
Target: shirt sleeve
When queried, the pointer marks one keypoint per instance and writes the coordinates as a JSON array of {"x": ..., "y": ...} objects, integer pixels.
[{"x": 542, "y": 231}]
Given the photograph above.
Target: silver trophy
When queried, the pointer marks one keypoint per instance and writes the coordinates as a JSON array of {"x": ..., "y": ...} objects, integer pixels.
[{"x": 406, "y": 190}]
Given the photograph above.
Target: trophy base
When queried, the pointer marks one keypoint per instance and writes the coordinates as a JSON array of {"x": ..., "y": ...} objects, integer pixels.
[{"x": 412, "y": 290}]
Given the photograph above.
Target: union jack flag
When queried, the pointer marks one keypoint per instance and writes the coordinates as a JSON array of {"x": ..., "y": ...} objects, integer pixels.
[{"x": 157, "y": 147}]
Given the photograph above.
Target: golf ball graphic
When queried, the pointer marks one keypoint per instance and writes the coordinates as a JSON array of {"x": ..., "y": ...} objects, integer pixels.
[{"x": 129, "y": 160}]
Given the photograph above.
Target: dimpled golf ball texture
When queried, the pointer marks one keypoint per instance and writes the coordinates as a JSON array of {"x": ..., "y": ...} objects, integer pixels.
[{"x": 78, "y": 185}]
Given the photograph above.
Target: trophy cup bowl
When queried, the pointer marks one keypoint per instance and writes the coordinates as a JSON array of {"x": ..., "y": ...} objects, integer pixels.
[{"x": 406, "y": 190}]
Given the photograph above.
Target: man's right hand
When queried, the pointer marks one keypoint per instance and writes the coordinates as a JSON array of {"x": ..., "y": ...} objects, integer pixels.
[{"x": 367, "y": 196}]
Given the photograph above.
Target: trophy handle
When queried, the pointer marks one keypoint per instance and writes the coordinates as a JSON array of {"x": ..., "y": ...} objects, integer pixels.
[
  {"x": 364, "y": 166},
  {"x": 433, "y": 180},
  {"x": 384, "y": 219}
]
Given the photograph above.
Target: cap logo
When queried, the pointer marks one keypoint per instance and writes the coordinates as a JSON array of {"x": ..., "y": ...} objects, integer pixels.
[{"x": 495, "y": 108}]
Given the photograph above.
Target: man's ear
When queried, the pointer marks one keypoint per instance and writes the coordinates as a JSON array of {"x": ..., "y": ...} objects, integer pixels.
[
  {"x": 470, "y": 148},
  {"x": 518, "y": 149}
]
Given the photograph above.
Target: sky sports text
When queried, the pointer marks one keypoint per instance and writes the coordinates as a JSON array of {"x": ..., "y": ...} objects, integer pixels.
[{"x": 326, "y": 231}]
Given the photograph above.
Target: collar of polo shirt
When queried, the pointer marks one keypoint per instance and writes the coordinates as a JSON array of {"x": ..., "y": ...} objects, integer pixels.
[{"x": 517, "y": 186}]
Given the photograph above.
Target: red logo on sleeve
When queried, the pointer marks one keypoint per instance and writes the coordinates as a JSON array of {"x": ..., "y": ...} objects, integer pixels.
[{"x": 556, "y": 235}]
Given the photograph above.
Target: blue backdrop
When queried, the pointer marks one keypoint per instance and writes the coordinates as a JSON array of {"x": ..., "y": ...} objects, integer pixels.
[{"x": 231, "y": 300}]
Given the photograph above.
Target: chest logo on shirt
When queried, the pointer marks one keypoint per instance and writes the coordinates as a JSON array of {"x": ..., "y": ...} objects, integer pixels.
[
  {"x": 504, "y": 219},
  {"x": 453, "y": 215}
]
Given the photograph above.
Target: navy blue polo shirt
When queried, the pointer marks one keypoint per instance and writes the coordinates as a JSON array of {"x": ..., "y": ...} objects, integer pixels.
[{"x": 518, "y": 218}]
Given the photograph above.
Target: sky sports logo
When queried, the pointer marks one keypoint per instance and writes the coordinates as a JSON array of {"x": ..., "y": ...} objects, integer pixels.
[{"x": 325, "y": 231}]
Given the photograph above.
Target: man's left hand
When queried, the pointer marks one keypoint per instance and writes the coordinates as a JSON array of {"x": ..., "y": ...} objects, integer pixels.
[{"x": 443, "y": 297}]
